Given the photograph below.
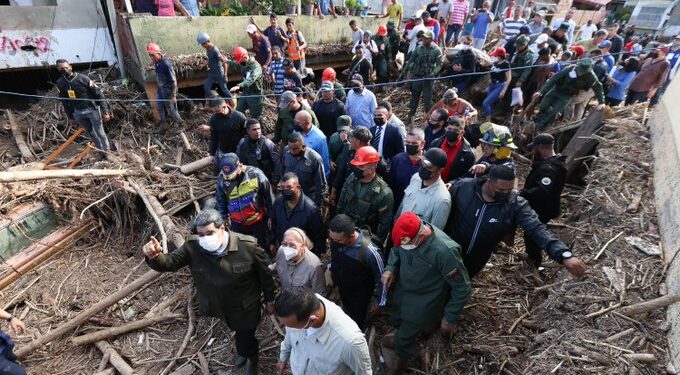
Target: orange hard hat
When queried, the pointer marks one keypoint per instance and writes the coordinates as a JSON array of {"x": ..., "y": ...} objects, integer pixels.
[
  {"x": 382, "y": 30},
  {"x": 328, "y": 74},
  {"x": 240, "y": 54},
  {"x": 365, "y": 155},
  {"x": 153, "y": 48}
]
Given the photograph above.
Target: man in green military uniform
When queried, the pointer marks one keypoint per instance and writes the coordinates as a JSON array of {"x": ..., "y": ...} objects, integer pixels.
[
  {"x": 289, "y": 106},
  {"x": 381, "y": 60},
  {"x": 521, "y": 62},
  {"x": 251, "y": 86},
  {"x": 365, "y": 196},
  {"x": 394, "y": 39},
  {"x": 425, "y": 62},
  {"x": 432, "y": 285},
  {"x": 231, "y": 275},
  {"x": 566, "y": 84}
]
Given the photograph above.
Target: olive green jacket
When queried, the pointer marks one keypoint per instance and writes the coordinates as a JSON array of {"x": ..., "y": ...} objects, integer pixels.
[
  {"x": 522, "y": 59},
  {"x": 425, "y": 62},
  {"x": 285, "y": 123},
  {"x": 228, "y": 286},
  {"x": 252, "y": 83},
  {"x": 426, "y": 275},
  {"x": 371, "y": 205}
]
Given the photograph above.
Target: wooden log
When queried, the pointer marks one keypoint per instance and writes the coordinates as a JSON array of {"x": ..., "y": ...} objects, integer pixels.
[
  {"x": 599, "y": 357},
  {"x": 116, "y": 360},
  {"x": 112, "y": 332},
  {"x": 583, "y": 141},
  {"x": 185, "y": 140},
  {"x": 647, "y": 306},
  {"x": 16, "y": 176},
  {"x": 640, "y": 357},
  {"x": 87, "y": 313},
  {"x": 190, "y": 331},
  {"x": 154, "y": 215},
  {"x": 108, "y": 371},
  {"x": 196, "y": 165},
  {"x": 168, "y": 302},
  {"x": 19, "y": 138}
]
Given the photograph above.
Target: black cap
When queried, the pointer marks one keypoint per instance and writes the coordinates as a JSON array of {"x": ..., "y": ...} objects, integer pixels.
[
  {"x": 542, "y": 139},
  {"x": 435, "y": 156},
  {"x": 456, "y": 120},
  {"x": 425, "y": 14},
  {"x": 564, "y": 26}
]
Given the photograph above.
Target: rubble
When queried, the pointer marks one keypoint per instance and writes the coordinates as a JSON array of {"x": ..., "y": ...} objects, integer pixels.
[{"x": 517, "y": 321}]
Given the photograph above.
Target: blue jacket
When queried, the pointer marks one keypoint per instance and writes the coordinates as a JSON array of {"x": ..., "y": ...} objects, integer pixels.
[
  {"x": 393, "y": 141},
  {"x": 305, "y": 215},
  {"x": 399, "y": 176}
]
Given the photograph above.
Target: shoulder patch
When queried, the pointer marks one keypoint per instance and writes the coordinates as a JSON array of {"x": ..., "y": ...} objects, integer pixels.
[
  {"x": 546, "y": 181},
  {"x": 454, "y": 274}
]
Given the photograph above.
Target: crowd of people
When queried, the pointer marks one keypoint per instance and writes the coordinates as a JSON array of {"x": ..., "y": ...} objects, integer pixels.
[{"x": 398, "y": 216}]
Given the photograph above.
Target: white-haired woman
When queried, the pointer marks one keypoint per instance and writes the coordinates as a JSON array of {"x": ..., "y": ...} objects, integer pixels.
[{"x": 296, "y": 265}]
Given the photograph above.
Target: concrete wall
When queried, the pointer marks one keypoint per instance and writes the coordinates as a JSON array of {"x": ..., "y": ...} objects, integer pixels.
[
  {"x": 665, "y": 127},
  {"x": 177, "y": 35},
  {"x": 34, "y": 36}
]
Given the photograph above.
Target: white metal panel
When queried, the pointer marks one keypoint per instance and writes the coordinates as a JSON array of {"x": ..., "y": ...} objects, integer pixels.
[{"x": 28, "y": 48}]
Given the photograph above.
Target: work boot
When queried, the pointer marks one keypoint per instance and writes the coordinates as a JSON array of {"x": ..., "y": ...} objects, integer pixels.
[
  {"x": 388, "y": 341},
  {"x": 239, "y": 361},
  {"x": 251, "y": 365}
]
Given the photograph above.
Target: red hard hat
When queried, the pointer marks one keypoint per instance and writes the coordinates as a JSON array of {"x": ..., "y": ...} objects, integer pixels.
[
  {"x": 240, "y": 54},
  {"x": 578, "y": 50},
  {"x": 365, "y": 155},
  {"x": 328, "y": 74},
  {"x": 382, "y": 30},
  {"x": 153, "y": 48}
]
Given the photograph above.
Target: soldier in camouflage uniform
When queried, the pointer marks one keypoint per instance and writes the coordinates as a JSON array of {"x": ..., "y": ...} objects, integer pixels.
[
  {"x": 365, "y": 196},
  {"x": 252, "y": 84},
  {"x": 381, "y": 60},
  {"x": 425, "y": 62}
]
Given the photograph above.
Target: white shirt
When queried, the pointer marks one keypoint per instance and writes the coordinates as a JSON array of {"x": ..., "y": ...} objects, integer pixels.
[
  {"x": 357, "y": 35},
  {"x": 570, "y": 31},
  {"x": 368, "y": 55},
  {"x": 338, "y": 347},
  {"x": 413, "y": 36},
  {"x": 382, "y": 138},
  {"x": 586, "y": 32}
]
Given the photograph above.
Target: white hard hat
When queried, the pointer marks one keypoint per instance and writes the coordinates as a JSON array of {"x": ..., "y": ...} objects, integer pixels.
[
  {"x": 418, "y": 14},
  {"x": 251, "y": 29}
]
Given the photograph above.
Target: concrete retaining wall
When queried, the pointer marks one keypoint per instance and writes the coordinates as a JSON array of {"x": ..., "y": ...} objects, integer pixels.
[{"x": 665, "y": 127}]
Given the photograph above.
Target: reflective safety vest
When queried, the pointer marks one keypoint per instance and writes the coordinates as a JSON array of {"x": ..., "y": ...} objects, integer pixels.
[{"x": 294, "y": 52}]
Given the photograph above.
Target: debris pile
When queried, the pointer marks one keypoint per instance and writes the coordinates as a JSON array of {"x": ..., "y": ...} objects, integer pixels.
[{"x": 517, "y": 321}]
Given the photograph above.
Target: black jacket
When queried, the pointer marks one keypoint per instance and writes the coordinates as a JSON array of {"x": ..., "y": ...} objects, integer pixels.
[
  {"x": 262, "y": 154},
  {"x": 393, "y": 141},
  {"x": 226, "y": 131},
  {"x": 305, "y": 215},
  {"x": 463, "y": 161},
  {"x": 478, "y": 226},
  {"x": 80, "y": 87},
  {"x": 543, "y": 187}
]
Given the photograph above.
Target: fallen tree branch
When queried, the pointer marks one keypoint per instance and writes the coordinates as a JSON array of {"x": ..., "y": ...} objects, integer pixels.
[
  {"x": 196, "y": 165},
  {"x": 87, "y": 313},
  {"x": 647, "y": 306},
  {"x": 19, "y": 138},
  {"x": 154, "y": 215},
  {"x": 16, "y": 176},
  {"x": 607, "y": 244},
  {"x": 190, "y": 331},
  {"x": 119, "y": 330},
  {"x": 116, "y": 360}
]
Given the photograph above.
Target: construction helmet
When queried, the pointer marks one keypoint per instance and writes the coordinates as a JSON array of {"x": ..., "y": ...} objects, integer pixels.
[
  {"x": 240, "y": 54},
  {"x": 328, "y": 74},
  {"x": 153, "y": 48},
  {"x": 498, "y": 136},
  {"x": 365, "y": 155},
  {"x": 382, "y": 30},
  {"x": 202, "y": 38}
]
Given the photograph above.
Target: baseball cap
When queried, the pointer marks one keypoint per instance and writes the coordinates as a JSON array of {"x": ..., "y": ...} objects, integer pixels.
[
  {"x": 524, "y": 30},
  {"x": 521, "y": 40},
  {"x": 665, "y": 49},
  {"x": 357, "y": 79},
  {"x": 343, "y": 123},
  {"x": 228, "y": 163},
  {"x": 287, "y": 62},
  {"x": 542, "y": 38},
  {"x": 286, "y": 98},
  {"x": 405, "y": 228},
  {"x": 541, "y": 13},
  {"x": 564, "y": 26},
  {"x": 542, "y": 139},
  {"x": 418, "y": 13},
  {"x": 326, "y": 86},
  {"x": 428, "y": 34},
  {"x": 578, "y": 50},
  {"x": 455, "y": 120},
  {"x": 584, "y": 65},
  {"x": 498, "y": 52},
  {"x": 604, "y": 44},
  {"x": 450, "y": 94},
  {"x": 425, "y": 14},
  {"x": 251, "y": 29},
  {"x": 434, "y": 156}
]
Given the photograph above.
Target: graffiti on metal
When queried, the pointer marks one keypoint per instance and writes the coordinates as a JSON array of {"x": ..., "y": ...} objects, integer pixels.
[{"x": 12, "y": 44}]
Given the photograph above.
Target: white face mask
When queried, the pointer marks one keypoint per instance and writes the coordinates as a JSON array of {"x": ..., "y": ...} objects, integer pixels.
[
  {"x": 409, "y": 246},
  {"x": 210, "y": 243},
  {"x": 288, "y": 252},
  {"x": 573, "y": 74}
]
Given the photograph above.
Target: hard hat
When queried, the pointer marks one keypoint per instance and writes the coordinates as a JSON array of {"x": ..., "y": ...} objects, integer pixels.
[
  {"x": 365, "y": 155},
  {"x": 498, "y": 136},
  {"x": 240, "y": 54},
  {"x": 153, "y": 48},
  {"x": 382, "y": 30},
  {"x": 328, "y": 74},
  {"x": 418, "y": 14},
  {"x": 202, "y": 38}
]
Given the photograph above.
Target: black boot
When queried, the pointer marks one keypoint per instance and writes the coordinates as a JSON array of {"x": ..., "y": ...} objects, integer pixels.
[{"x": 239, "y": 361}]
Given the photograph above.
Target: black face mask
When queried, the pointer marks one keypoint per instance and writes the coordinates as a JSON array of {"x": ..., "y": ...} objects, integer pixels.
[
  {"x": 412, "y": 149},
  {"x": 288, "y": 195},
  {"x": 433, "y": 125},
  {"x": 357, "y": 90},
  {"x": 243, "y": 63},
  {"x": 424, "y": 174},
  {"x": 452, "y": 135},
  {"x": 379, "y": 121},
  {"x": 653, "y": 55},
  {"x": 358, "y": 173},
  {"x": 65, "y": 72},
  {"x": 501, "y": 197}
]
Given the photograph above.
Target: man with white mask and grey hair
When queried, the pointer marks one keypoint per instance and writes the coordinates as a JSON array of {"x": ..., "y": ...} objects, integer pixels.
[{"x": 231, "y": 275}]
